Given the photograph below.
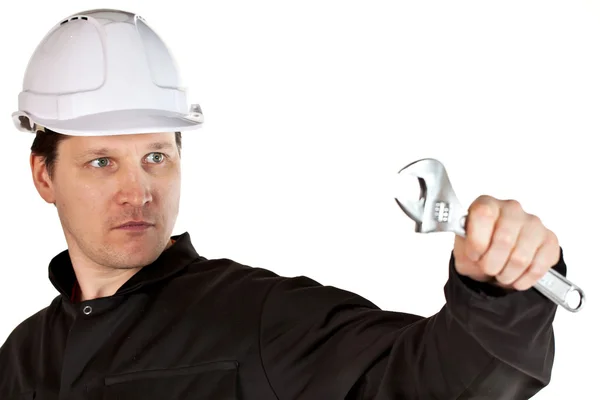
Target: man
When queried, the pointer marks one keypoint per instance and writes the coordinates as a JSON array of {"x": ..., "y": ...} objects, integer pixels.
[{"x": 141, "y": 315}]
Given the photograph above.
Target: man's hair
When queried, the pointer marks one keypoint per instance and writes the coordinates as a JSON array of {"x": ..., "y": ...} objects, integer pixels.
[{"x": 46, "y": 144}]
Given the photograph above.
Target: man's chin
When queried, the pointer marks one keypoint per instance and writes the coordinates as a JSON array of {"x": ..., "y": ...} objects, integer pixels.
[
  {"x": 137, "y": 259},
  {"x": 138, "y": 249}
]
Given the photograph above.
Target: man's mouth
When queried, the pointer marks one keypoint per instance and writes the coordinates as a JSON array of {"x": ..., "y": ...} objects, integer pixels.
[{"x": 135, "y": 225}]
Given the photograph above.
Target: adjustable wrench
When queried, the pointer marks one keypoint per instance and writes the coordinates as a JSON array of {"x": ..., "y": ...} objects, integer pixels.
[{"x": 438, "y": 210}]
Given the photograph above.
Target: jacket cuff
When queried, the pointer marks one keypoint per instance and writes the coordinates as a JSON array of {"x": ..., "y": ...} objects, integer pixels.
[{"x": 488, "y": 290}]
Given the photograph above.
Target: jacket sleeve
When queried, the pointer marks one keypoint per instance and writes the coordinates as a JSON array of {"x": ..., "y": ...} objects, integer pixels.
[{"x": 321, "y": 342}]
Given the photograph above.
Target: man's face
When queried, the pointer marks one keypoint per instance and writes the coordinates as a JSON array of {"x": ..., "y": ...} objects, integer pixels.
[{"x": 102, "y": 182}]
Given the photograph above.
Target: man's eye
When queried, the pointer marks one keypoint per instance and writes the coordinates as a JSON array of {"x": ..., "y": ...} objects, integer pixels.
[
  {"x": 100, "y": 162},
  {"x": 156, "y": 157}
]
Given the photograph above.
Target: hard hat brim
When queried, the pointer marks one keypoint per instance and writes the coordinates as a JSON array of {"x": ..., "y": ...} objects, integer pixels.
[{"x": 121, "y": 122}]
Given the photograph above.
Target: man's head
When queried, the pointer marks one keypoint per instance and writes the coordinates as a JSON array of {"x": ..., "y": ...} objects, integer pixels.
[
  {"x": 116, "y": 158},
  {"x": 98, "y": 183}
]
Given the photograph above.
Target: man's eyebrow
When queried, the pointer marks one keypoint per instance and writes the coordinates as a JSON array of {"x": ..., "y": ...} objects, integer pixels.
[
  {"x": 96, "y": 152},
  {"x": 161, "y": 145}
]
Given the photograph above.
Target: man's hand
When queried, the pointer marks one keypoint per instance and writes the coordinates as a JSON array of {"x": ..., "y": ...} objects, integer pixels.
[{"x": 505, "y": 245}]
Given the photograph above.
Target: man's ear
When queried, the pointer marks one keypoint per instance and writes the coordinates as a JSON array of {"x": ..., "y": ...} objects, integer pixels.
[{"x": 41, "y": 179}]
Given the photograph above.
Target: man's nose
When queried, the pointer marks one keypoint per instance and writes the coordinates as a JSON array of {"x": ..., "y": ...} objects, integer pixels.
[{"x": 134, "y": 186}]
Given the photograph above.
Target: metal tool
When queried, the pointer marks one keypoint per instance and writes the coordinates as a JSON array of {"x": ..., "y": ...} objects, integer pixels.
[{"x": 438, "y": 210}]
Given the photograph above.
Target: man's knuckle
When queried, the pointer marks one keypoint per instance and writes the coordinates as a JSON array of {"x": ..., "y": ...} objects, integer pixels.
[
  {"x": 484, "y": 207},
  {"x": 513, "y": 205},
  {"x": 484, "y": 211},
  {"x": 519, "y": 259},
  {"x": 535, "y": 220},
  {"x": 504, "y": 238},
  {"x": 537, "y": 271},
  {"x": 478, "y": 245},
  {"x": 489, "y": 268},
  {"x": 484, "y": 198},
  {"x": 551, "y": 237},
  {"x": 503, "y": 277},
  {"x": 522, "y": 284}
]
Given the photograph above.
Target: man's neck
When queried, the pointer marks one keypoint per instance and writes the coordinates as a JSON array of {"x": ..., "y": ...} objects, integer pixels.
[
  {"x": 94, "y": 281},
  {"x": 94, "y": 284}
]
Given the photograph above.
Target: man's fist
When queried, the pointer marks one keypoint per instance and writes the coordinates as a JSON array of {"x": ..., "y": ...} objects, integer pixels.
[{"x": 504, "y": 245}]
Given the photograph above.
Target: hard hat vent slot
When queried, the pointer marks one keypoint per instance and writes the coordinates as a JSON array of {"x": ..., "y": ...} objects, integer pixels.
[{"x": 73, "y": 18}]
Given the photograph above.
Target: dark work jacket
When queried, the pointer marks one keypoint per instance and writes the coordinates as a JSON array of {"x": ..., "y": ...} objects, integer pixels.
[{"x": 186, "y": 327}]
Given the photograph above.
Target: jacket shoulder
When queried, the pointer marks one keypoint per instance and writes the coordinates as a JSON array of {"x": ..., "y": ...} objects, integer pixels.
[
  {"x": 26, "y": 330},
  {"x": 225, "y": 271}
]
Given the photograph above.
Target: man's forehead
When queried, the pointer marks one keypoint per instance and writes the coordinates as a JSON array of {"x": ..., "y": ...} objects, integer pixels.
[
  {"x": 132, "y": 137},
  {"x": 142, "y": 139}
]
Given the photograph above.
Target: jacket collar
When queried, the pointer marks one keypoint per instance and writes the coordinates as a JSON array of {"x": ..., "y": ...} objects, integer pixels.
[{"x": 179, "y": 255}]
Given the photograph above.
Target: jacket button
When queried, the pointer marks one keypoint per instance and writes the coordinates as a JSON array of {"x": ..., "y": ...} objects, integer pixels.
[{"x": 87, "y": 310}]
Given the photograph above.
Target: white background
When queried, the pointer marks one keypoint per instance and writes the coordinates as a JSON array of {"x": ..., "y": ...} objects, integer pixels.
[{"x": 312, "y": 107}]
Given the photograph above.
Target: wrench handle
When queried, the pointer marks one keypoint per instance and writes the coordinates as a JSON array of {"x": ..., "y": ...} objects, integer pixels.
[
  {"x": 553, "y": 285},
  {"x": 561, "y": 291}
]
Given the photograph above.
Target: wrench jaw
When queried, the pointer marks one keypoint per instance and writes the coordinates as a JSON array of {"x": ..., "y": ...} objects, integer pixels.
[
  {"x": 414, "y": 209},
  {"x": 438, "y": 209}
]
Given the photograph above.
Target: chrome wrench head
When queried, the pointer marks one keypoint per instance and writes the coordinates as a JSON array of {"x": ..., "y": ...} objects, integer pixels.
[{"x": 438, "y": 210}]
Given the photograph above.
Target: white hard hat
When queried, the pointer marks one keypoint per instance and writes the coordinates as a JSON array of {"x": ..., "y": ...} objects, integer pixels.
[{"x": 104, "y": 72}]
